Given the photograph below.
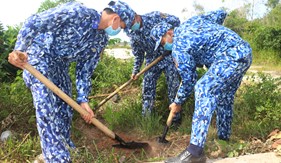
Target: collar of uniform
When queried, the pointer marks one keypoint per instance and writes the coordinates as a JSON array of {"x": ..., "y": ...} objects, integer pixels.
[
  {"x": 144, "y": 23},
  {"x": 96, "y": 21}
]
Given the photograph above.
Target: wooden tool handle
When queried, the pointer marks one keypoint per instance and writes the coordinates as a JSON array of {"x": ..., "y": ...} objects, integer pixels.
[
  {"x": 170, "y": 118},
  {"x": 66, "y": 98},
  {"x": 129, "y": 81},
  {"x": 150, "y": 65},
  {"x": 112, "y": 94}
]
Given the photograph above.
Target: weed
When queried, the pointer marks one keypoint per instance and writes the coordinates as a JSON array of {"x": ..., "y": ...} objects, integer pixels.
[
  {"x": 20, "y": 148},
  {"x": 259, "y": 106}
]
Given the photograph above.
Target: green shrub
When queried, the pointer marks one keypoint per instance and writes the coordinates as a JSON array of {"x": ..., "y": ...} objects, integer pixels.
[
  {"x": 7, "y": 41},
  {"x": 123, "y": 115},
  {"x": 268, "y": 38},
  {"x": 19, "y": 93},
  {"x": 259, "y": 106},
  {"x": 111, "y": 73},
  {"x": 16, "y": 100},
  {"x": 20, "y": 148},
  {"x": 267, "y": 57}
]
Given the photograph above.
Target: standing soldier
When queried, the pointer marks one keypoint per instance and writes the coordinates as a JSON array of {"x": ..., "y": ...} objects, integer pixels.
[
  {"x": 203, "y": 40},
  {"x": 143, "y": 48},
  {"x": 51, "y": 40}
]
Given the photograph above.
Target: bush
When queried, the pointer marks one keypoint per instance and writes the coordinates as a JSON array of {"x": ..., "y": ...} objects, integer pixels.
[
  {"x": 7, "y": 41},
  {"x": 259, "y": 106},
  {"x": 268, "y": 38},
  {"x": 111, "y": 73},
  {"x": 16, "y": 100}
]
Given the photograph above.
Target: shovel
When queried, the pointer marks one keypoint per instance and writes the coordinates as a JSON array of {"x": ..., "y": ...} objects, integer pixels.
[
  {"x": 162, "y": 139},
  {"x": 129, "y": 81},
  {"x": 77, "y": 107}
]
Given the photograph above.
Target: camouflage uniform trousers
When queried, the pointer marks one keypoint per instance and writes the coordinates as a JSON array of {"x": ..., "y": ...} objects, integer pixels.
[
  {"x": 215, "y": 92},
  {"x": 53, "y": 116}
]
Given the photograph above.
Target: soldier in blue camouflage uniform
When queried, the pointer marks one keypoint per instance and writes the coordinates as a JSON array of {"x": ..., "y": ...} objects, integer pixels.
[
  {"x": 51, "y": 40},
  {"x": 143, "y": 48},
  {"x": 203, "y": 40}
]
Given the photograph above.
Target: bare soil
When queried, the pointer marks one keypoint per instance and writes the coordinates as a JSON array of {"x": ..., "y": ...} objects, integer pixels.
[
  {"x": 155, "y": 151},
  {"x": 98, "y": 141}
]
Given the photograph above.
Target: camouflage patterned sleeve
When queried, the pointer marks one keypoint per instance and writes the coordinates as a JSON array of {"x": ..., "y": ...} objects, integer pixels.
[
  {"x": 187, "y": 71},
  {"x": 183, "y": 55},
  {"x": 217, "y": 16},
  {"x": 29, "y": 29},
  {"x": 138, "y": 52},
  {"x": 85, "y": 68},
  {"x": 84, "y": 71}
]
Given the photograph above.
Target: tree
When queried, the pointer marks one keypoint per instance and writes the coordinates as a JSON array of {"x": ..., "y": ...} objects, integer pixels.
[
  {"x": 7, "y": 41},
  {"x": 253, "y": 8},
  {"x": 199, "y": 9},
  {"x": 114, "y": 41},
  {"x": 47, "y": 4},
  {"x": 2, "y": 46},
  {"x": 272, "y": 3},
  {"x": 236, "y": 20},
  {"x": 268, "y": 38},
  {"x": 273, "y": 18},
  {"x": 268, "y": 35}
]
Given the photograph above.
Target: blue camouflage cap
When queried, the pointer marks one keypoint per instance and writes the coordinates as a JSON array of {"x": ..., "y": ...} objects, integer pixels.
[
  {"x": 126, "y": 13},
  {"x": 158, "y": 31}
]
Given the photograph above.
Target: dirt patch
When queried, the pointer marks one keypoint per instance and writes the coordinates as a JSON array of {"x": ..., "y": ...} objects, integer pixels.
[{"x": 99, "y": 142}]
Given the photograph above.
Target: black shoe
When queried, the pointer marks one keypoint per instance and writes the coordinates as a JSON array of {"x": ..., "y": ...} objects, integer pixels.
[
  {"x": 223, "y": 138},
  {"x": 186, "y": 157}
]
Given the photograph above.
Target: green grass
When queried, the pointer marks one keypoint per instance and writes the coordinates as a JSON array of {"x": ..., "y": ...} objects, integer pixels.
[
  {"x": 267, "y": 59},
  {"x": 20, "y": 148},
  {"x": 128, "y": 116}
]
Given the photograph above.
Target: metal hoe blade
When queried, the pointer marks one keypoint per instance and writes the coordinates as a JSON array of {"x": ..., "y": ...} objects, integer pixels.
[
  {"x": 129, "y": 145},
  {"x": 162, "y": 139}
]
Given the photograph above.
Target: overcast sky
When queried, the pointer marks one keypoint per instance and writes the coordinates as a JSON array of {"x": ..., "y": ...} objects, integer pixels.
[{"x": 13, "y": 12}]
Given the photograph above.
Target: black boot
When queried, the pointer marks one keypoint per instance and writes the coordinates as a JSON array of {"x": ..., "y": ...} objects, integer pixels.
[
  {"x": 223, "y": 138},
  {"x": 186, "y": 157}
]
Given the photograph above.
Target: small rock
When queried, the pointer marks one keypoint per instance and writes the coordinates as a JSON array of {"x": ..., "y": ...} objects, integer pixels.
[
  {"x": 122, "y": 159},
  {"x": 5, "y": 135},
  {"x": 39, "y": 159},
  {"x": 116, "y": 98}
]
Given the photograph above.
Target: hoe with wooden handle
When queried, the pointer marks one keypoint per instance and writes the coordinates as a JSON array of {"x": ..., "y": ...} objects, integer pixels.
[
  {"x": 162, "y": 139},
  {"x": 77, "y": 107}
]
